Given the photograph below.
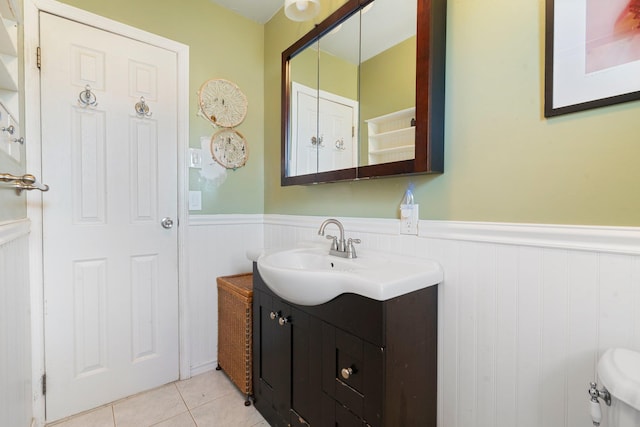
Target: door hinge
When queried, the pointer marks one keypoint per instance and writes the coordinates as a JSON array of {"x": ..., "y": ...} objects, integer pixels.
[
  {"x": 44, "y": 384},
  {"x": 353, "y": 131},
  {"x": 38, "y": 58}
]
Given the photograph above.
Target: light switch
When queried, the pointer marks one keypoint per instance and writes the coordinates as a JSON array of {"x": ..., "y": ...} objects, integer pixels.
[
  {"x": 195, "y": 158},
  {"x": 195, "y": 200}
]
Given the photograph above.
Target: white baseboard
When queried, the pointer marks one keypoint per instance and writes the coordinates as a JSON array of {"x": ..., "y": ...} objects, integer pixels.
[{"x": 203, "y": 367}]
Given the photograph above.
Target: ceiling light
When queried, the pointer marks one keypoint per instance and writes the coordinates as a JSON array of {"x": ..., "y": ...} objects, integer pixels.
[{"x": 301, "y": 10}]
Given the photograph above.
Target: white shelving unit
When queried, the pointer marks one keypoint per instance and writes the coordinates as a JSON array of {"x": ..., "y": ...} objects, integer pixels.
[
  {"x": 9, "y": 63},
  {"x": 9, "y": 83},
  {"x": 392, "y": 137}
]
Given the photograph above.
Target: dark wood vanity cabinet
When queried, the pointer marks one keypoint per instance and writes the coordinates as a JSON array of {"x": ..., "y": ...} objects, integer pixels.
[
  {"x": 272, "y": 358},
  {"x": 352, "y": 361}
]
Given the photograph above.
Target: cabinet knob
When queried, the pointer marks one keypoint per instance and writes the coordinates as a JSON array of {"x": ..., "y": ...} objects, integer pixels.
[
  {"x": 283, "y": 321},
  {"x": 274, "y": 315},
  {"x": 346, "y": 373}
]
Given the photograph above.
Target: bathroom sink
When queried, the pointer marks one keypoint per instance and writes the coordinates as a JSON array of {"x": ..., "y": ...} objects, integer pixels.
[{"x": 310, "y": 276}]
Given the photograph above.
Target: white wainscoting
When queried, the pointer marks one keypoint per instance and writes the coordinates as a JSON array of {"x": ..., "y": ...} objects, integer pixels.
[
  {"x": 217, "y": 247},
  {"x": 525, "y": 310},
  {"x": 15, "y": 326}
]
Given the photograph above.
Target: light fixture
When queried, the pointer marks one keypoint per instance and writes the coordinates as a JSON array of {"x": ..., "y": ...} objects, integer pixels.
[{"x": 301, "y": 10}]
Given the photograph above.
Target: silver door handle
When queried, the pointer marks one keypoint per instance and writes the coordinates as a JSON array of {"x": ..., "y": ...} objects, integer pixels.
[{"x": 167, "y": 222}]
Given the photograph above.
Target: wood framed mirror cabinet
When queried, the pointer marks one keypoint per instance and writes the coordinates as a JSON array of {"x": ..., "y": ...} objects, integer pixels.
[{"x": 363, "y": 93}]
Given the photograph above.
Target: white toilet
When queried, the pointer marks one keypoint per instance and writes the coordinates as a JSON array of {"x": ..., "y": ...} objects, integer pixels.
[{"x": 619, "y": 373}]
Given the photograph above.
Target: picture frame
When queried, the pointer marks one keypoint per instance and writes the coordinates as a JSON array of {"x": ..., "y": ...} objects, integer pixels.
[{"x": 592, "y": 54}]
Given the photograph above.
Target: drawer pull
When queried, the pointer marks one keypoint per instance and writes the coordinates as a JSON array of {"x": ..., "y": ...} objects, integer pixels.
[
  {"x": 283, "y": 321},
  {"x": 274, "y": 315},
  {"x": 346, "y": 373}
]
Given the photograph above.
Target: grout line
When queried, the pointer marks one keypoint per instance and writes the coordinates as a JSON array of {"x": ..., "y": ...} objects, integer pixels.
[
  {"x": 185, "y": 404},
  {"x": 111, "y": 406}
]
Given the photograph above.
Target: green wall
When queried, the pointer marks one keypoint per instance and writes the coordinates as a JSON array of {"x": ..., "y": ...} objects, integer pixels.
[
  {"x": 504, "y": 161},
  {"x": 387, "y": 84},
  {"x": 390, "y": 78},
  {"x": 222, "y": 44},
  {"x": 336, "y": 75}
]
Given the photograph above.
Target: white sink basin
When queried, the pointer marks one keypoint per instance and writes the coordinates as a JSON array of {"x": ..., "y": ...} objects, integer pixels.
[{"x": 310, "y": 276}]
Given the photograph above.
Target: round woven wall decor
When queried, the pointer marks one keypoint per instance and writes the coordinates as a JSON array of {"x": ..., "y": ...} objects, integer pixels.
[{"x": 222, "y": 103}]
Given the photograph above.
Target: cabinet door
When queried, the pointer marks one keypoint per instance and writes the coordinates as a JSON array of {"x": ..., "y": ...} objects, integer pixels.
[
  {"x": 272, "y": 358},
  {"x": 306, "y": 359}
]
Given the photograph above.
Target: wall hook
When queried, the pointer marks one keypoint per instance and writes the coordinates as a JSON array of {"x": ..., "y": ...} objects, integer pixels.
[
  {"x": 9, "y": 129},
  {"x": 142, "y": 109},
  {"x": 86, "y": 98},
  {"x": 317, "y": 141}
]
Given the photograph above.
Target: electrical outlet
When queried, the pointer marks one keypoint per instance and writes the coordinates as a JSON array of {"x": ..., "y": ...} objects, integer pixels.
[{"x": 409, "y": 219}]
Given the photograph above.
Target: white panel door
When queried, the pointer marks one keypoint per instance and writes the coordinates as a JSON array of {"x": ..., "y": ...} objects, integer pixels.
[
  {"x": 336, "y": 125},
  {"x": 323, "y": 142},
  {"x": 334, "y": 148},
  {"x": 110, "y": 267},
  {"x": 307, "y": 141}
]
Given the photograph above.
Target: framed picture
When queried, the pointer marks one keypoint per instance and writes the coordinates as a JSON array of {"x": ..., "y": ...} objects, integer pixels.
[{"x": 592, "y": 55}]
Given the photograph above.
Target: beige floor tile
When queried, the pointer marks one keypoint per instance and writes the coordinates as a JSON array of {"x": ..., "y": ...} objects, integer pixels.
[
  {"x": 206, "y": 387},
  {"x": 101, "y": 417},
  {"x": 182, "y": 420},
  {"x": 149, "y": 408},
  {"x": 228, "y": 411}
]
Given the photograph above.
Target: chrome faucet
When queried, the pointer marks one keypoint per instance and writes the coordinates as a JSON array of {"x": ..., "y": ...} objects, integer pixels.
[{"x": 338, "y": 246}]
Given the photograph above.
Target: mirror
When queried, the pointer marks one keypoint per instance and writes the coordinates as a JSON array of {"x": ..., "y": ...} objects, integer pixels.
[
  {"x": 388, "y": 81},
  {"x": 363, "y": 93},
  {"x": 324, "y": 102}
]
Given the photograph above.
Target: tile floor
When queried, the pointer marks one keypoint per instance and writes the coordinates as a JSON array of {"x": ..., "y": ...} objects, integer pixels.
[{"x": 206, "y": 400}]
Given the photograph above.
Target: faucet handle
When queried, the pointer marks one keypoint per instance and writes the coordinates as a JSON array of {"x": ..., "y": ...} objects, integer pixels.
[
  {"x": 351, "y": 250},
  {"x": 334, "y": 244}
]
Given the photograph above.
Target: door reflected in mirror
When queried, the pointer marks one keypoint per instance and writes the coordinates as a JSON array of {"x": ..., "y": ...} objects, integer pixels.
[
  {"x": 324, "y": 102},
  {"x": 303, "y": 153},
  {"x": 338, "y": 100}
]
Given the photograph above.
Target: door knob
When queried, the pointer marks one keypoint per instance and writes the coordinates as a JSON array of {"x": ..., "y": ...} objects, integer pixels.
[{"x": 167, "y": 222}]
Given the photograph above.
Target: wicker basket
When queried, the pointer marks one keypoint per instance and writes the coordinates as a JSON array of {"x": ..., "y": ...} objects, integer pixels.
[{"x": 235, "y": 336}]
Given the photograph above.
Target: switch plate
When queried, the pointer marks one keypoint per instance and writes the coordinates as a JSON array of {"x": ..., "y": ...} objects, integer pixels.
[
  {"x": 409, "y": 219},
  {"x": 195, "y": 158},
  {"x": 195, "y": 200}
]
